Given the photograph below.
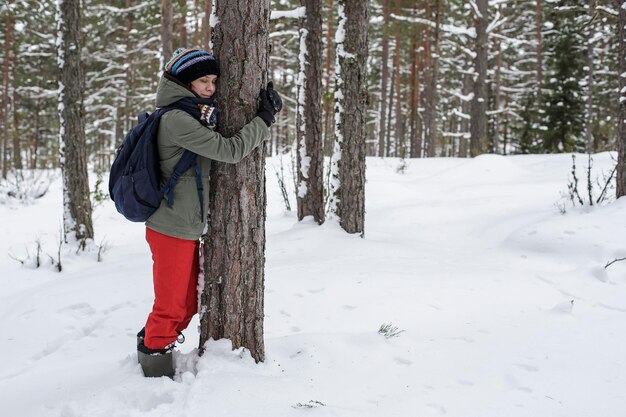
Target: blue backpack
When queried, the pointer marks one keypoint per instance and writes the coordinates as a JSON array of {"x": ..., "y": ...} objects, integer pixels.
[{"x": 135, "y": 179}]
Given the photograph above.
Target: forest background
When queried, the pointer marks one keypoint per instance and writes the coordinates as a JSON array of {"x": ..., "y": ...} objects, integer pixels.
[{"x": 551, "y": 82}]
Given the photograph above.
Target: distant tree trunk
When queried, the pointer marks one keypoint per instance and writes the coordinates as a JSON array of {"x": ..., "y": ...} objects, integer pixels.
[
  {"x": 77, "y": 205},
  {"x": 196, "y": 24},
  {"x": 17, "y": 146},
  {"x": 327, "y": 98},
  {"x": 465, "y": 109},
  {"x": 496, "y": 115},
  {"x": 478, "y": 140},
  {"x": 351, "y": 101},
  {"x": 166, "y": 30},
  {"x": 206, "y": 26},
  {"x": 414, "y": 138},
  {"x": 431, "y": 93},
  {"x": 182, "y": 23},
  {"x": 400, "y": 145},
  {"x": 128, "y": 76},
  {"x": 388, "y": 141},
  {"x": 590, "y": 85},
  {"x": 539, "y": 51},
  {"x": 621, "y": 135},
  {"x": 310, "y": 161},
  {"x": 383, "y": 81},
  {"x": 8, "y": 33},
  {"x": 536, "y": 115},
  {"x": 232, "y": 300}
]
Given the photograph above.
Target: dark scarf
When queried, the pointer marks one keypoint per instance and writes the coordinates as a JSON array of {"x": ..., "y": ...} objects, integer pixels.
[{"x": 202, "y": 109}]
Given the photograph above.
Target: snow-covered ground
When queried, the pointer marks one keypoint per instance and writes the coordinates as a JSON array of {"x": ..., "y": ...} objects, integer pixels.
[{"x": 505, "y": 306}]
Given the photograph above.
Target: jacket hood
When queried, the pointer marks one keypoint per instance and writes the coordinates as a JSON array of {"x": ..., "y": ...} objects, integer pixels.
[{"x": 170, "y": 91}]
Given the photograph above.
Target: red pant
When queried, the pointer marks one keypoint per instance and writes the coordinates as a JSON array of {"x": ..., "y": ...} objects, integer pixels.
[{"x": 175, "y": 274}]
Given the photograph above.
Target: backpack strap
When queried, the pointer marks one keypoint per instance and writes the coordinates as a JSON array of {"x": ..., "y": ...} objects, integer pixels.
[{"x": 186, "y": 161}]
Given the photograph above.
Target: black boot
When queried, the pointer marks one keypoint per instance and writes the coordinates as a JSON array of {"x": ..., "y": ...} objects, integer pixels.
[
  {"x": 156, "y": 362},
  {"x": 142, "y": 335}
]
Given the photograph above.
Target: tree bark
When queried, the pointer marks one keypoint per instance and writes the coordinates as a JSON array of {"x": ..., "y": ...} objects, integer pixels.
[
  {"x": 8, "y": 33},
  {"x": 383, "y": 80},
  {"x": 496, "y": 116},
  {"x": 590, "y": 85},
  {"x": 328, "y": 101},
  {"x": 232, "y": 300},
  {"x": 166, "y": 30},
  {"x": 539, "y": 51},
  {"x": 621, "y": 135},
  {"x": 182, "y": 23},
  {"x": 310, "y": 162},
  {"x": 350, "y": 108},
  {"x": 77, "y": 204},
  {"x": 432, "y": 72},
  {"x": 206, "y": 26},
  {"x": 478, "y": 139},
  {"x": 415, "y": 140},
  {"x": 400, "y": 148}
]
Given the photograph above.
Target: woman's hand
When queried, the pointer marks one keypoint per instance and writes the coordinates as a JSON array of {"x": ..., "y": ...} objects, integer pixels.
[{"x": 270, "y": 104}]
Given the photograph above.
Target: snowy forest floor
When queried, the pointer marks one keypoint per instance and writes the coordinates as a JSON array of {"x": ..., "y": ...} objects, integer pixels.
[{"x": 505, "y": 306}]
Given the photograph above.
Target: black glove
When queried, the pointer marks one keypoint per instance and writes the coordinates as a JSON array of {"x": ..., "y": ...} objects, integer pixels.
[{"x": 270, "y": 104}]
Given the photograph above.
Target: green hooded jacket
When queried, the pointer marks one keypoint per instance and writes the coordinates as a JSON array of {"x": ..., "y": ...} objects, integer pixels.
[{"x": 179, "y": 131}]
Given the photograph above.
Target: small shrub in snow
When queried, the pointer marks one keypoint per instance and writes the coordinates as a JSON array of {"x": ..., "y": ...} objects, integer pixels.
[
  {"x": 25, "y": 185},
  {"x": 282, "y": 184},
  {"x": 30, "y": 261},
  {"x": 99, "y": 195},
  {"x": 402, "y": 166},
  {"x": 310, "y": 404},
  {"x": 597, "y": 191},
  {"x": 614, "y": 261},
  {"x": 389, "y": 330}
]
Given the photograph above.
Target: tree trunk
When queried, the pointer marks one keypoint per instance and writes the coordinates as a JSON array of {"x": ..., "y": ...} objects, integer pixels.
[
  {"x": 414, "y": 139},
  {"x": 432, "y": 72},
  {"x": 350, "y": 108},
  {"x": 8, "y": 32},
  {"x": 478, "y": 139},
  {"x": 196, "y": 23},
  {"x": 590, "y": 85},
  {"x": 166, "y": 30},
  {"x": 232, "y": 300},
  {"x": 17, "y": 145},
  {"x": 496, "y": 115},
  {"x": 77, "y": 205},
  {"x": 400, "y": 145},
  {"x": 383, "y": 80},
  {"x": 327, "y": 98},
  {"x": 206, "y": 26},
  {"x": 621, "y": 135},
  {"x": 539, "y": 51},
  {"x": 466, "y": 109},
  {"x": 182, "y": 23},
  {"x": 310, "y": 196}
]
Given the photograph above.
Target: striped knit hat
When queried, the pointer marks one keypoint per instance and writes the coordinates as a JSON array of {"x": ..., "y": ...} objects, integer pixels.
[{"x": 190, "y": 64}]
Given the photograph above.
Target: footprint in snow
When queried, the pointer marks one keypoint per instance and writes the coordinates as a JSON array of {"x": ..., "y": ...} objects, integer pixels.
[
  {"x": 528, "y": 368},
  {"x": 564, "y": 307},
  {"x": 78, "y": 311}
]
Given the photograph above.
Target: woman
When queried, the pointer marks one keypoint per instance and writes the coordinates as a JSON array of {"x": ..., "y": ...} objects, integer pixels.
[{"x": 173, "y": 231}]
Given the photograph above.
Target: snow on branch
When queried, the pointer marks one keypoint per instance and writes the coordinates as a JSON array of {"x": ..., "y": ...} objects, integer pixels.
[
  {"x": 297, "y": 13},
  {"x": 284, "y": 33},
  {"x": 608, "y": 10},
  {"x": 456, "y": 30},
  {"x": 121, "y": 10}
]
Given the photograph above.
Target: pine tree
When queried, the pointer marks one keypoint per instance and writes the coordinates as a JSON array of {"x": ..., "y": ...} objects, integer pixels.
[
  {"x": 350, "y": 108},
  {"x": 232, "y": 298},
  {"x": 77, "y": 223},
  {"x": 563, "y": 97}
]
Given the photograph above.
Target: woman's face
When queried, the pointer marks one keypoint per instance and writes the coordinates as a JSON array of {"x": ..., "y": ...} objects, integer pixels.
[{"x": 204, "y": 86}]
